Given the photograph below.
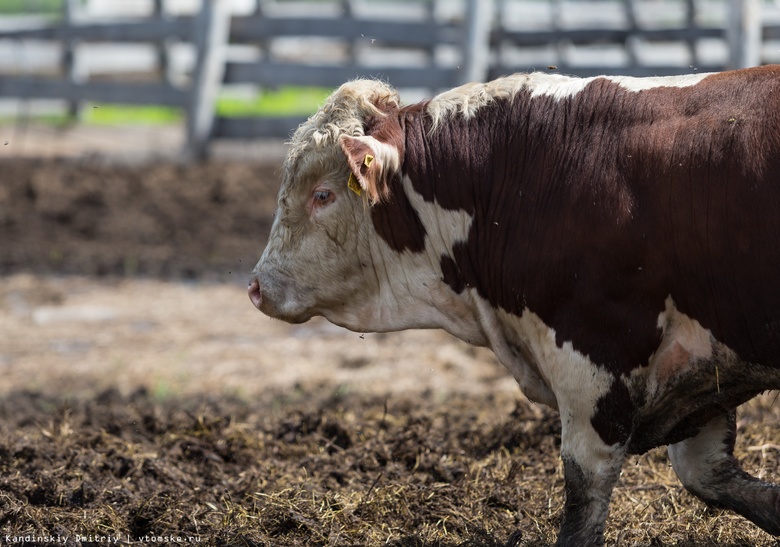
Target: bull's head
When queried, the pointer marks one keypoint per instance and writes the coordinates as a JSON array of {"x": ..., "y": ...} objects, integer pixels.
[{"x": 321, "y": 252}]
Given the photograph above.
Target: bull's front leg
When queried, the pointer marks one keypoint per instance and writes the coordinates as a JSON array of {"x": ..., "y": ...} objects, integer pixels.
[
  {"x": 597, "y": 421},
  {"x": 596, "y": 412},
  {"x": 591, "y": 468}
]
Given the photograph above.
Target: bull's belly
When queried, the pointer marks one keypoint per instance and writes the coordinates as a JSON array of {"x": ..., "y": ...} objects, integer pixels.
[{"x": 690, "y": 379}]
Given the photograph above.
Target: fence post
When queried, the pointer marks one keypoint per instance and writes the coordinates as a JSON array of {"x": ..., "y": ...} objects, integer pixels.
[
  {"x": 161, "y": 47},
  {"x": 743, "y": 33},
  {"x": 69, "y": 64},
  {"x": 211, "y": 35},
  {"x": 476, "y": 57},
  {"x": 690, "y": 24}
]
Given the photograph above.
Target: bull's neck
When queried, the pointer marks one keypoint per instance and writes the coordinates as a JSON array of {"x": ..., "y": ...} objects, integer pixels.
[
  {"x": 457, "y": 163},
  {"x": 423, "y": 229},
  {"x": 459, "y": 196}
]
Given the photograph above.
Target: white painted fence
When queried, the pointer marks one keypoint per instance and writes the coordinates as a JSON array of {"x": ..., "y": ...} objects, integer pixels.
[{"x": 183, "y": 53}]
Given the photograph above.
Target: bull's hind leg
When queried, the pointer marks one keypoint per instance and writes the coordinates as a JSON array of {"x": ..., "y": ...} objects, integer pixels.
[{"x": 708, "y": 469}]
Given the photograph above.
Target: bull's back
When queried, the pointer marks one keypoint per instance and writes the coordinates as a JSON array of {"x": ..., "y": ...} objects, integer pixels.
[
  {"x": 593, "y": 208},
  {"x": 707, "y": 184}
]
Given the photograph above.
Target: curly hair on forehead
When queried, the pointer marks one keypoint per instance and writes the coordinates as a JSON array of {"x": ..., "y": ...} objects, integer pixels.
[
  {"x": 353, "y": 109},
  {"x": 349, "y": 110}
]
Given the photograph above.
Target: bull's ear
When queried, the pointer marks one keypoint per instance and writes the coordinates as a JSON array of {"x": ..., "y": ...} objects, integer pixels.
[{"x": 372, "y": 164}]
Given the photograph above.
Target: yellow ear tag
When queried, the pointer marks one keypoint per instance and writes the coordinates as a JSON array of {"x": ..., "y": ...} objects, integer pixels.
[{"x": 353, "y": 183}]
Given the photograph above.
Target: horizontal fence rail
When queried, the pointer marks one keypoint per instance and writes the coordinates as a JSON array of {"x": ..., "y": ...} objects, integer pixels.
[
  {"x": 429, "y": 45},
  {"x": 144, "y": 30},
  {"x": 106, "y": 92},
  {"x": 358, "y": 38}
]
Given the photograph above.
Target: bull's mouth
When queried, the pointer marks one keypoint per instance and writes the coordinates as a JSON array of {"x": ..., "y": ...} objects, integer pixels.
[{"x": 262, "y": 301}]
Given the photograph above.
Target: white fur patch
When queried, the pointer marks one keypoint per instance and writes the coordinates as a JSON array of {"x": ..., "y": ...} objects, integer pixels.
[
  {"x": 641, "y": 84},
  {"x": 684, "y": 340},
  {"x": 555, "y": 85},
  {"x": 467, "y": 99},
  {"x": 694, "y": 459},
  {"x": 343, "y": 113},
  {"x": 562, "y": 87},
  {"x": 569, "y": 374},
  {"x": 444, "y": 227},
  {"x": 412, "y": 293},
  {"x": 577, "y": 384},
  {"x": 386, "y": 153}
]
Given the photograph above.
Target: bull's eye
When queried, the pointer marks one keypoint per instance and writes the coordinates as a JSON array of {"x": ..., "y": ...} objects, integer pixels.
[{"x": 321, "y": 196}]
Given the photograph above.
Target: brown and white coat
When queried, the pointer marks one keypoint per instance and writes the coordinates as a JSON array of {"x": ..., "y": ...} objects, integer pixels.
[{"x": 615, "y": 241}]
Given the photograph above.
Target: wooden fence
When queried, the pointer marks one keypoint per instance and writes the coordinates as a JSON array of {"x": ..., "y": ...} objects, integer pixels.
[
  {"x": 629, "y": 37},
  {"x": 429, "y": 45},
  {"x": 354, "y": 42}
]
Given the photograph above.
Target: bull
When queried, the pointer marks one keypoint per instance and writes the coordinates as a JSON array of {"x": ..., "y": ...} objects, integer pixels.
[{"x": 614, "y": 240}]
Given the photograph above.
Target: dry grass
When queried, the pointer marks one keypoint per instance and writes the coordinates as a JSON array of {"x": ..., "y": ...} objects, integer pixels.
[
  {"x": 404, "y": 470},
  {"x": 465, "y": 471}
]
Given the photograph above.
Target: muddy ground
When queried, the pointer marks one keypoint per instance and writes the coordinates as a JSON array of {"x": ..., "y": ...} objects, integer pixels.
[{"x": 143, "y": 399}]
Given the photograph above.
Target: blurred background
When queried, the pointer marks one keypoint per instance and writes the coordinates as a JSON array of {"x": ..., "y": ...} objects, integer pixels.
[
  {"x": 140, "y": 144},
  {"x": 236, "y": 70},
  {"x": 140, "y": 390}
]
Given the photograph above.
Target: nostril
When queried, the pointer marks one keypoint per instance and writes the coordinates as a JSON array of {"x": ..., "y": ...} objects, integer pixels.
[{"x": 255, "y": 294}]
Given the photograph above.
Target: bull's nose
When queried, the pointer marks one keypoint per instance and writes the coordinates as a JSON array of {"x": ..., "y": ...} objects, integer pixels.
[{"x": 255, "y": 294}]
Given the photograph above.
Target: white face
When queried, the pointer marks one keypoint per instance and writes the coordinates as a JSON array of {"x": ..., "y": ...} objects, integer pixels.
[
  {"x": 317, "y": 261},
  {"x": 325, "y": 257}
]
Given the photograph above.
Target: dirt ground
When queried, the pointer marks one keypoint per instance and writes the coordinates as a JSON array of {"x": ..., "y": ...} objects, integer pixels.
[{"x": 144, "y": 400}]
